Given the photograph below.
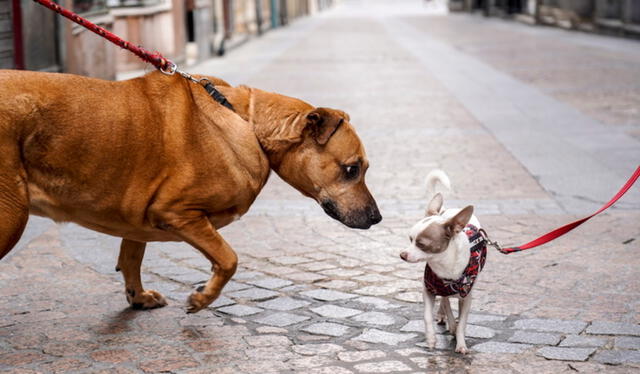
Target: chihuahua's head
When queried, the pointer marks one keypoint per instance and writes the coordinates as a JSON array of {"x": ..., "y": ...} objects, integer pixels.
[{"x": 433, "y": 234}]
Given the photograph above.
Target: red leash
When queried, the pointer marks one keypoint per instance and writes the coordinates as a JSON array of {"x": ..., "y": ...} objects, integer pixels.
[
  {"x": 155, "y": 59},
  {"x": 568, "y": 227}
]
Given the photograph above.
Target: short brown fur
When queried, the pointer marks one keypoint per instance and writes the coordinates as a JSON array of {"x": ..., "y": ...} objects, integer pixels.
[{"x": 156, "y": 159}]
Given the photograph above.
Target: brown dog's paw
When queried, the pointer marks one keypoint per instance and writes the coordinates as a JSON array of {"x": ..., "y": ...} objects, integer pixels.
[
  {"x": 148, "y": 299},
  {"x": 196, "y": 302}
]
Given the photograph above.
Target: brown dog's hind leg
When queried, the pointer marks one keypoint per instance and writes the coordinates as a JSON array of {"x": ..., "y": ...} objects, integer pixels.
[
  {"x": 14, "y": 209},
  {"x": 203, "y": 236},
  {"x": 129, "y": 262}
]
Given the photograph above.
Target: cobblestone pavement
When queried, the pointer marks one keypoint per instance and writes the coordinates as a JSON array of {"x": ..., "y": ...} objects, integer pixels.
[{"x": 312, "y": 296}]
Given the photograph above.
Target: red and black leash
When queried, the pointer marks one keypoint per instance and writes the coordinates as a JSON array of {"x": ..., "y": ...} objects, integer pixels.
[
  {"x": 154, "y": 58},
  {"x": 566, "y": 228}
]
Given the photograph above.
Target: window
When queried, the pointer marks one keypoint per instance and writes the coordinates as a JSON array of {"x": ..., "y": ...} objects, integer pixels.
[{"x": 88, "y": 6}]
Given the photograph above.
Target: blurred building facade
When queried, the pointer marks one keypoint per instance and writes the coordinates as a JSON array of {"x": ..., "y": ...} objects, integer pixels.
[
  {"x": 182, "y": 30},
  {"x": 619, "y": 17}
]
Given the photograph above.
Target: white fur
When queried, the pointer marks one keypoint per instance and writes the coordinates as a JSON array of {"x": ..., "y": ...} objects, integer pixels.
[{"x": 448, "y": 264}]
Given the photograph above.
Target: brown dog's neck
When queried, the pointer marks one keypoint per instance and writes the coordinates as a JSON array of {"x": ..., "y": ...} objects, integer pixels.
[{"x": 278, "y": 121}]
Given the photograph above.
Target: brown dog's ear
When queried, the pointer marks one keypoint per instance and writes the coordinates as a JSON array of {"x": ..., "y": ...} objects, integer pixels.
[
  {"x": 322, "y": 123},
  {"x": 434, "y": 205},
  {"x": 456, "y": 223}
]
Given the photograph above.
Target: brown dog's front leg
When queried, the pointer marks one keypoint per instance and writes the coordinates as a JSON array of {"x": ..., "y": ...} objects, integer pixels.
[
  {"x": 203, "y": 236},
  {"x": 129, "y": 261}
]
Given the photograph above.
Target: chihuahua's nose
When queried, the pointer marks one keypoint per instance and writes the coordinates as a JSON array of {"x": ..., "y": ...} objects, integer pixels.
[{"x": 403, "y": 255}]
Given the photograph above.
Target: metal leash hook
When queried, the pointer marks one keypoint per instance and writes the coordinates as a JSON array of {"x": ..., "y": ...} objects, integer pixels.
[{"x": 490, "y": 242}]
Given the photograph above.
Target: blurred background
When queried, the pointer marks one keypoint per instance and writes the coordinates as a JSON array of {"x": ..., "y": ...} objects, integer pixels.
[{"x": 188, "y": 31}]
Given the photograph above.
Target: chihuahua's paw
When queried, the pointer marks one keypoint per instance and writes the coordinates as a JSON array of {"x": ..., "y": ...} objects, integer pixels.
[
  {"x": 462, "y": 349},
  {"x": 431, "y": 342}
]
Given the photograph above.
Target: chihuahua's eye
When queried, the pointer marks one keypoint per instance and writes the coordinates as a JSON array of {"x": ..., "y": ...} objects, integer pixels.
[
  {"x": 411, "y": 239},
  {"x": 351, "y": 171}
]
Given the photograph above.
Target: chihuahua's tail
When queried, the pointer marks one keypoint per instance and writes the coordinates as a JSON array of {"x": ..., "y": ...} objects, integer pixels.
[{"x": 433, "y": 178}]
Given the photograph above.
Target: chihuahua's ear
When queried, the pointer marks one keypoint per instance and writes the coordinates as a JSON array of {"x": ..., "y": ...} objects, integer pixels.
[
  {"x": 323, "y": 122},
  {"x": 456, "y": 223},
  {"x": 434, "y": 205}
]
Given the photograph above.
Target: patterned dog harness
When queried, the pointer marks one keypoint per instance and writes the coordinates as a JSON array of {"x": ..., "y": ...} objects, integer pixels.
[{"x": 447, "y": 287}]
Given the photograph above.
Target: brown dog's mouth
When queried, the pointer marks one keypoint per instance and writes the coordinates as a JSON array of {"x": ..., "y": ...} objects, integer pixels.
[{"x": 362, "y": 219}]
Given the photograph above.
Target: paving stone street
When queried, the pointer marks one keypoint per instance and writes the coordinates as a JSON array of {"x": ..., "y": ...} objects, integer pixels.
[{"x": 535, "y": 126}]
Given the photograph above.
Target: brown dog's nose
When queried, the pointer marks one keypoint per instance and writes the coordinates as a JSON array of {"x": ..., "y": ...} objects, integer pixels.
[{"x": 403, "y": 255}]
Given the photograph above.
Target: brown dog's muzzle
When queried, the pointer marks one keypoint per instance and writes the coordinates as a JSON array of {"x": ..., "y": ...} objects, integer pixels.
[{"x": 362, "y": 218}]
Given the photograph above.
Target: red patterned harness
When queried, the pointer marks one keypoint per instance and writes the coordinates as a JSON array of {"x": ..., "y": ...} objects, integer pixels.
[{"x": 447, "y": 287}]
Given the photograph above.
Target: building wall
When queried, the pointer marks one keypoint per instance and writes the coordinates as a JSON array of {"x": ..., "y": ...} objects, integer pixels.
[{"x": 6, "y": 36}]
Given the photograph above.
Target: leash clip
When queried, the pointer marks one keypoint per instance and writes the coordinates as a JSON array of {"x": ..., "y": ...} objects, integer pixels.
[
  {"x": 170, "y": 68},
  {"x": 492, "y": 243}
]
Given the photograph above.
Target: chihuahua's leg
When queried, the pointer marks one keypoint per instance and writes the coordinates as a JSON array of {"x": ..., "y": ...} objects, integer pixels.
[
  {"x": 441, "y": 315},
  {"x": 129, "y": 262},
  {"x": 451, "y": 320},
  {"x": 430, "y": 332},
  {"x": 465, "y": 307}
]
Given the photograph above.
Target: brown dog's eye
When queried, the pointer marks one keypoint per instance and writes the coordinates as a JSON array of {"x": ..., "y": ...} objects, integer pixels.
[{"x": 351, "y": 171}]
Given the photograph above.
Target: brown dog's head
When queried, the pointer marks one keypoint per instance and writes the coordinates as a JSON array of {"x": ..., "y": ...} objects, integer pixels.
[{"x": 328, "y": 164}]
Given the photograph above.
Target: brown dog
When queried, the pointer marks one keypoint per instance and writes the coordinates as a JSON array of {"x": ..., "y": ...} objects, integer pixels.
[{"x": 156, "y": 159}]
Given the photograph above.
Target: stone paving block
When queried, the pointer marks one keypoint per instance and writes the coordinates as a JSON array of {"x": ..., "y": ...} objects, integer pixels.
[
  {"x": 338, "y": 284},
  {"x": 583, "y": 341},
  {"x": 305, "y": 276},
  {"x": 377, "y": 302},
  {"x": 267, "y": 340},
  {"x": 553, "y": 325},
  {"x": 373, "y": 277},
  {"x": 283, "y": 304},
  {"x": 317, "y": 266},
  {"x": 627, "y": 342},
  {"x": 355, "y": 356},
  {"x": 484, "y": 318},
  {"x": 333, "y": 311},
  {"x": 375, "y": 318},
  {"x": 221, "y": 301},
  {"x": 410, "y": 297},
  {"x": 190, "y": 278},
  {"x": 327, "y": 295},
  {"x": 376, "y": 290},
  {"x": 329, "y": 370},
  {"x": 326, "y": 328},
  {"x": 282, "y": 319},
  {"x": 566, "y": 354},
  {"x": 473, "y": 331},
  {"x": 418, "y": 326},
  {"x": 244, "y": 274},
  {"x": 442, "y": 342},
  {"x": 240, "y": 310},
  {"x": 343, "y": 273},
  {"x": 379, "y": 336},
  {"x": 617, "y": 357},
  {"x": 232, "y": 286},
  {"x": 500, "y": 347},
  {"x": 537, "y": 338},
  {"x": 290, "y": 260},
  {"x": 256, "y": 294},
  {"x": 317, "y": 349},
  {"x": 382, "y": 367},
  {"x": 613, "y": 328},
  {"x": 270, "y": 283}
]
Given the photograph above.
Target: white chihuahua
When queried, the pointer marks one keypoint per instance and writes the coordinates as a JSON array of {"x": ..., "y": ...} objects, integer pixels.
[{"x": 451, "y": 243}]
